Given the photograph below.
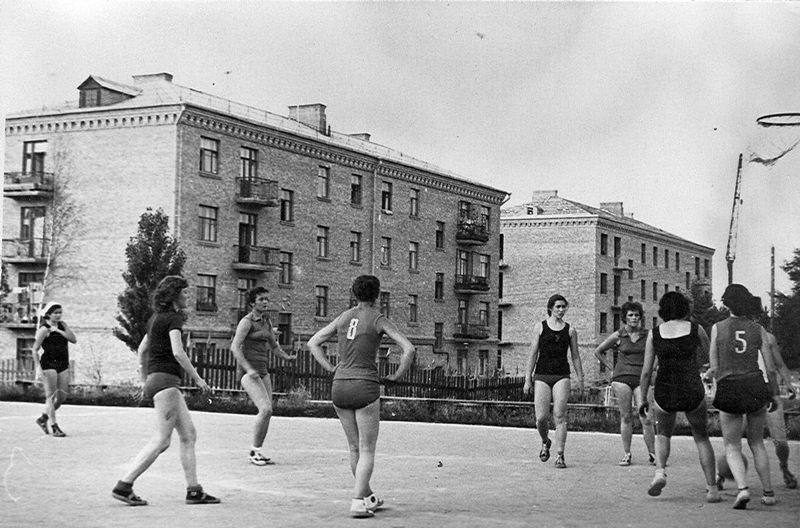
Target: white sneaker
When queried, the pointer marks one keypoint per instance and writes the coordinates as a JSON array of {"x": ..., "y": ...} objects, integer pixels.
[
  {"x": 358, "y": 509},
  {"x": 373, "y": 502},
  {"x": 258, "y": 459}
]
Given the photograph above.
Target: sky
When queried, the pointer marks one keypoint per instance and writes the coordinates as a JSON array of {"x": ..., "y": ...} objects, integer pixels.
[{"x": 649, "y": 103}]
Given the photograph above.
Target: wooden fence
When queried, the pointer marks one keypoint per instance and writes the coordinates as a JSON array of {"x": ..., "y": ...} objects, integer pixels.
[{"x": 24, "y": 371}]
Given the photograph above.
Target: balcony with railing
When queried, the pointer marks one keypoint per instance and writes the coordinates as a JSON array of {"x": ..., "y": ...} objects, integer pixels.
[
  {"x": 471, "y": 331},
  {"x": 471, "y": 232},
  {"x": 471, "y": 283},
  {"x": 257, "y": 191},
  {"x": 257, "y": 259},
  {"x": 27, "y": 185},
  {"x": 25, "y": 250},
  {"x": 20, "y": 314}
]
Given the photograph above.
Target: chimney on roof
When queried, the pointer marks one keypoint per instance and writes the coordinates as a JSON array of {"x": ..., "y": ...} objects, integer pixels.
[
  {"x": 540, "y": 196},
  {"x": 312, "y": 115},
  {"x": 363, "y": 136},
  {"x": 614, "y": 208},
  {"x": 150, "y": 77}
]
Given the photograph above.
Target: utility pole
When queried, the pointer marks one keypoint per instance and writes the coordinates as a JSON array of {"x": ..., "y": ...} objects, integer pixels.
[
  {"x": 772, "y": 288},
  {"x": 730, "y": 253}
]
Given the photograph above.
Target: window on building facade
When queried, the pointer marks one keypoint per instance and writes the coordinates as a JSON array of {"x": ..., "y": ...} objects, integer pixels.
[
  {"x": 616, "y": 322},
  {"x": 464, "y": 210},
  {"x": 323, "y": 182},
  {"x": 412, "y": 308},
  {"x": 286, "y": 276},
  {"x": 655, "y": 292},
  {"x": 209, "y": 155},
  {"x": 248, "y": 224},
  {"x": 243, "y": 285},
  {"x": 413, "y": 255},
  {"x": 462, "y": 262},
  {"x": 603, "y": 244},
  {"x": 25, "y": 278},
  {"x": 322, "y": 241},
  {"x": 355, "y": 189},
  {"x": 483, "y": 362},
  {"x": 355, "y": 246},
  {"x": 287, "y": 205},
  {"x": 643, "y": 257},
  {"x": 499, "y": 325},
  {"x": 617, "y": 286},
  {"x": 285, "y": 329},
  {"x": 483, "y": 266},
  {"x": 321, "y": 294},
  {"x": 439, "y": 235},
  {"x": 438, "y": 287},
  {"x": 697, "y": 266},
  {"x": 603, "y": 324},
  {"x": 604, "y": 283},
  {"x": 385, "y": 302},
  {"x": 666, "y": 258},
  {"x": 438, "y": 336},
  {"x": 500, "y": 285},
  {"x": 630, "y": 269},
  {"x": 677, "y": 261},
  {"x": 499, "y": 365},
  {"x": 688, "y": 281},
  {"x": 706, "y": 266},
  {"x": 90, "y": 97},
  {"x": 386, "y": 196},
  {"x": 208, "y": 223},
  {"x": 461, "y": 362},
  {"x": 386, "y": 251},
  {"x": 643, "y": 294},
  {"x": 463, "y": 311},
  {"x": 483, "y": 313},
  {"x": 655, "y": 256},
  {"x": 486, "y": 217},
  {"x": 33, "y": 156},
  {"x": 249, "y": 163},
  {"x": 413, "y": 203},
  {"x": 206, "y": 293},
  {"x": 501, "y": 241},
  {"x": 32, "y": 222},
  {"x": 617, "y": 249}
]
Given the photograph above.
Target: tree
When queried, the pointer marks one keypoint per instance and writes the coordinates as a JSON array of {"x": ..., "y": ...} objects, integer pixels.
[
  {"x": 786, "y": 319},
  {"x": 152, "y": 255}
]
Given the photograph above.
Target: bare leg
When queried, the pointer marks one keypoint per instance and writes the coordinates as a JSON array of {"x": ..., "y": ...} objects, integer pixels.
[
  {"x": 624, "y": 397},
  {"x": 560, "y": 397},
  {"x": 188, "y": 437},
  {"x": 698, "y": 421},
  {"x": 50, "y": 381},
  {"x": 755, "y": 439},
  {"x": 164, "y": 402},
  {"x": 648, "y": 432},
  {"x": 665, "y": 423},
  {"x": 541, "y": 404},
  {"x": 361, "y": 428},
  {"x": 260, "y": 391}
]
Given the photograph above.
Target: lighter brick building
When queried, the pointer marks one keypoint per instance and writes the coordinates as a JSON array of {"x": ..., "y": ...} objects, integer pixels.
[
  {"x": 254, "y": 199},
  {"x": 598, "y": 258}
]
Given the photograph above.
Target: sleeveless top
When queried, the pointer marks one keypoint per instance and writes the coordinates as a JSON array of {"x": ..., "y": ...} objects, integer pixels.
[
  {"x": 553, "y": 346},
  {"x": 738, "y": 345},
  {"x": 630, "y": 355},
  {"x": 256, "y": 343},
  {"x": 56, "y": 346},
  {"x": 677, "y": 358},
  {"x": 359, "y": 340},
  {"x": 161, "y": 357}
]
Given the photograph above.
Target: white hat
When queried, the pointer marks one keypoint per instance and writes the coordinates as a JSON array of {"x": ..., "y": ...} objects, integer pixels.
[{"x": 49, "y": 307}]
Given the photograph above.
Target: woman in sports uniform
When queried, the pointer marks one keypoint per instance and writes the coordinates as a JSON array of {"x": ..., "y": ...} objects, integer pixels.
[
  {"x": 166, "y": 361},
  {"x": 675, "y": 344},
  {"x": 252, "y": 343},
  {"x": 548, "y": 363},
  {"x": 356, "y": 386},
  {"x": 742, "y": 390},
  {"x": 53, "y": 338},
  {"x": 629, "y": 343}
]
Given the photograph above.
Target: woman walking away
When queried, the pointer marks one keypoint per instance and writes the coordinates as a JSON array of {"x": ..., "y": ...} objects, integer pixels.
[
  {"x": 356, "y": 391},
  {"x": 167, "y": 361},
  {"x": 551, "y": 379},
  {"x": 53, "y": 339},
  {"x": 629, "y": 342},
  {"x": 251, "y": 345},
  {"x": 675, "y": 344},
  {"x": 742, "y": 390}
]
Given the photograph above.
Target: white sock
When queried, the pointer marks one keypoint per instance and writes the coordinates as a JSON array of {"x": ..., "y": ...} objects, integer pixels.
[{"x": 255, "y": 449}]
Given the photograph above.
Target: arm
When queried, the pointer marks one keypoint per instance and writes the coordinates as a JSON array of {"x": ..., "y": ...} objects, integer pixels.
[
  {"x": 390, "y": 329},
  {"x": 600, "y": 352},
  {"x": 783, "y": 371},
  {"x": 315, "y": 344},
  {"x": 647, "y": 371},
  {"x": 537, "y": 331},
  {"x": 242, "y": 330},
  {"x": 702, "y": 349},
  {"x": 713, "y": 354},
  {"x": 275, "y": 347},
  {"x": 143, "y": 351},
  {"x": 67, "y": 332},
  {"x": 41, "y": 334},
  {"x": 576, "y": 356},
  {"x": 183, "y": 359}
]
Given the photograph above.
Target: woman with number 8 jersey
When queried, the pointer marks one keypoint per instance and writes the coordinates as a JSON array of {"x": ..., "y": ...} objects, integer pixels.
[
  {"x": 356, "y": 384},
  {"x": 741, "y": 390}
]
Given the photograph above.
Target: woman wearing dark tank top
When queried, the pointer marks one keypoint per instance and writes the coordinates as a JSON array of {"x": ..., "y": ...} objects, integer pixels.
[{"x": 548, "y": 374}]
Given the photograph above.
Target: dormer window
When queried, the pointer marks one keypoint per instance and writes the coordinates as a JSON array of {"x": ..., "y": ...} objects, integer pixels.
[{"x": 90, "y": 97}]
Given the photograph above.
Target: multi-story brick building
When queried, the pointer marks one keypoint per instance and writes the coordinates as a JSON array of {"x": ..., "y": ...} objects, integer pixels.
[
  {"x": 254, "y": 198},
  {"x": 598, "y": 258}
]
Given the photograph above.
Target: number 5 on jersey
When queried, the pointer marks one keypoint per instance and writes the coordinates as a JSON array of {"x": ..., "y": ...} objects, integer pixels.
[
  {"x": 351, "y": 330},
  {"x": 741, "y": 342}
]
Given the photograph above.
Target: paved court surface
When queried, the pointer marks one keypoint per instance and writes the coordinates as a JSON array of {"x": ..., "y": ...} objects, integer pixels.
[{"x": 431, "y": 475}]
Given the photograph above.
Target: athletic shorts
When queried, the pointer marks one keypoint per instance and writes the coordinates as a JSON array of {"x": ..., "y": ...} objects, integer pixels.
[
  {"x": 628, "y": 379},
  {"x": 550, "y": 379},
  {"x": 158, "y": 381},
  {"x": 742, "y": 394},
  {"x": 354, "y": 393},
  {"x": 262, "y": 371},
  {"x": 48, "y": 362},
  {"x": 679, "y": 398}
]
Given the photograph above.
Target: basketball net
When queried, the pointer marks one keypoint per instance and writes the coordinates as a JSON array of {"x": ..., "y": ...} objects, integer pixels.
[{"x": 776, "y": 136}]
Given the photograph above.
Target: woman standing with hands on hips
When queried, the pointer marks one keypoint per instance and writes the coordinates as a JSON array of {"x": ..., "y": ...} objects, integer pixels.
[
  {"x": 548, "y": 363},
  {"x": 356, "y": 385},
  {"x": 162, "y": 346},
  {"x": 53, "y": 338},
  {"x": 251, "y": 345}
]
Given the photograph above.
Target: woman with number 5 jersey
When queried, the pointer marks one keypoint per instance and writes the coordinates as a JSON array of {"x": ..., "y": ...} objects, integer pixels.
[{"x": 356, "y": 385}]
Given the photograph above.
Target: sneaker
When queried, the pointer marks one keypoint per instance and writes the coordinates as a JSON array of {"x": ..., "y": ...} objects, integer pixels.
[
  {"x": 625, "y": 460},
  {"x": 359, "y": 510},
  {"x": 742, "y": 498},
  {"x": 720, "y": 483},
  {"x": 544, "y": 454},
  {"x": 651, "y": 457},
  {"x": 659, "y": 481},
  {"x": 712, "y": 495},
  {"x": 198, "y": 496},
  {"x": 257, "y": 459},
  {"x": 768, "y": 499},
  {"x": 789, "y": 479},
  {"x": 42, "y": 422},
  {"x": 373, "y": 502},
  {"x": 128, "y": 497},
  {"x": 57, "y": 432},
  {"x": 560, "y": 464}
]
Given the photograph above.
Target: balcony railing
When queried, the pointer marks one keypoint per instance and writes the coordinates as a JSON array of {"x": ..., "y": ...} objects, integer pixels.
[
  {"x": 471, "y": 331},
  {"x": 257, "y": 191},
  {"x": 21, "y": 250},
  {"x": 471, "y": 232},
  {"x": 27, "y": 184},
  {"x": 471, "y": 283},
  {"x": 257, "y": 258},
  {"x": 20, "y": 314}
]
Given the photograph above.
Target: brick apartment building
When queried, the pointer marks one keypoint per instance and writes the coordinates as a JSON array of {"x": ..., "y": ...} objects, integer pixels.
[
  {"x": 255, "y": 199},
  {"x": 598, "y": 258}
]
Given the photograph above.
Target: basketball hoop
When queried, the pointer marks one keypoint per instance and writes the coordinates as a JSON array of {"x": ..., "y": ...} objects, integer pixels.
[
  {"x": 778, "y": 135},
  {"x": 780, "y": 120}
]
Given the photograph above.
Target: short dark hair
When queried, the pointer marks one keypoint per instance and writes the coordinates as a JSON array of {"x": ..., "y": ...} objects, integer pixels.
[
  {"x": 253, "y": 293},
  {"x": 632, "y": 306},
  {"x": 552, "y": 302},
  {"x": 756, "y": 308},
  {"x": 738, "y": 299},
  {"x": 366, "y": 288},
  {"x": 673, "y": 305},
  {"x": 167, "y": 291}
]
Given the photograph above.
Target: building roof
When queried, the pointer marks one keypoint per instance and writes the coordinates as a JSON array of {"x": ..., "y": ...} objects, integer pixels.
[
  {"x": 547, "y": 204},
  {"x": 159, "y": 90}
]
